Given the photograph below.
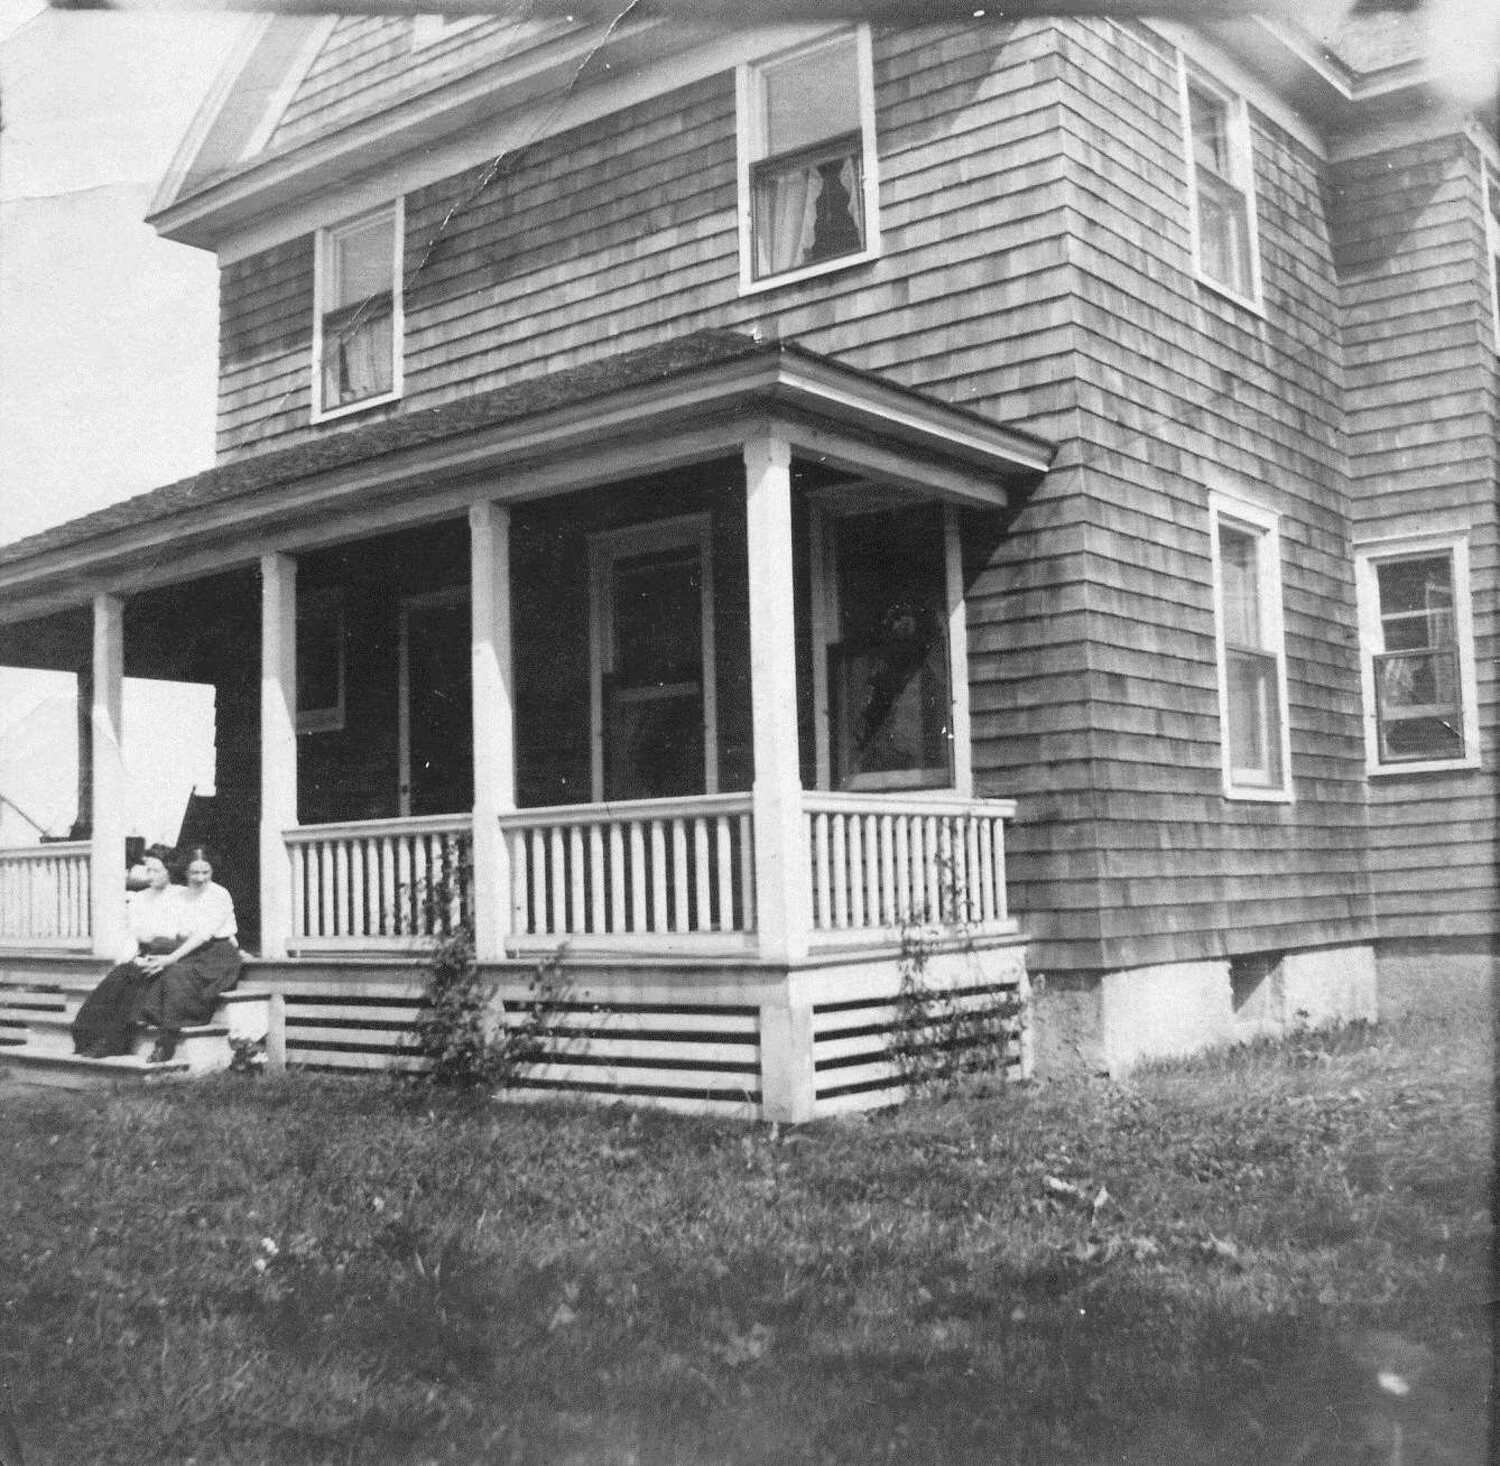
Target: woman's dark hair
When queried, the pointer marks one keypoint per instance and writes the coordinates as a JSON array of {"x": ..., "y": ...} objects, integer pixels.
[{"x": 163, "y": 853}]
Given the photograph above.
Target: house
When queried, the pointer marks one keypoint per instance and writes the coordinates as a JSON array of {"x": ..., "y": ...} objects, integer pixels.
[{"x": 785, "y": 508}]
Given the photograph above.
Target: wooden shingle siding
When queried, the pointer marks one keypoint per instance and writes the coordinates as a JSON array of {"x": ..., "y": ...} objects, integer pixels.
[{"x": 1424, "y": 438}]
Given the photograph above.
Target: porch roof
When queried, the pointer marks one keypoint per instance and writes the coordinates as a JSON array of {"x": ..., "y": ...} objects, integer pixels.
[{"x": 662, "y": 406}]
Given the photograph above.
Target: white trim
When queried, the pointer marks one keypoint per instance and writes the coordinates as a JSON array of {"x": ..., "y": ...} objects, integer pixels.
[
  {"x": 325, "y": 241},
  {"x": 958, "y": 655},
  {"x": 292, "y": 78},
  {"x": 1245, "y": 516},
  {"x": 822, "y": 592},
  {"x": 1241, "y": 176},
  {"x": 330, "y": 718},
  {"x": 748, "y": 109},
  {"x": 1367, "y": 554},
  {"x": 428, "y": 30},
  {"x": 278, "y": 745},
  {"x": 457, "y": 595},
  {"x": 1490, "y": 202},
  {"x": 605, "y": 548}
]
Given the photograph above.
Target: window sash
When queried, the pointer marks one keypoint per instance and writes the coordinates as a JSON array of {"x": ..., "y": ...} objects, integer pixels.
[
  {"x": 1419, "y": 705},
  {"x": 1254, "y": 699},
  {"x": 1224, "y": 232},
  {"x": 798, "y": 219},
  {"x": 359, "y": 359}
]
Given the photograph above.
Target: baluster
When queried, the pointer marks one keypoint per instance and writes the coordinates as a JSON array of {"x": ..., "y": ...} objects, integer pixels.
[
  {"x": 537, "y": 869},
  {"x": 840, "y": 873},
  {"x": 596, "y": 879},
  {"x": 658, "y": 876},
  {"x": 872, "y": 870},
  {"x": 385, "y": 925},
  {"x": 557, "y": 879},
  {"x": 637, "y": 876},
  {"x": 726, "y": 874},
  {"x": 997, "y": 836},
  {"x": 404, "y": 925},
  {"x": 986, "y": 870},
  {"x": 617, "y": 916},
  {"x": 679, "y": 877},
  {"x": 889, "y": 906},
  {"x": 324, "y": 857},
  {"x": 703, "y": 920},
  {"x": 856, "y": 838},
  {"x": 424, "y": 914},
  {"x": 975, "y": 888},
  {"x": 822, "y": 895},
  {"x": 953, "y": 868},
  {"x": 747, "y": 872},
  {"x": 576, "y": 878},
  {"x": 903, "y": 869},
  {"x": 520, "y": 881}
]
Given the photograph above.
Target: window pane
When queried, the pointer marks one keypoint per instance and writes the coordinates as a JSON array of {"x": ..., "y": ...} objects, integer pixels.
[
  {"x": 811, "y": 97},
  {"x": 358, "y": 353},
  {"x": 1240, "y": 576},
  {"x": 808, "y": 211},
  {"x": 658, "y": 615},
  {"x": 1223, "y": 232},
  {"x": 363, "y": 262},
  {"x": 1418, "y": 706},
  {"x": 1254, "y": 719},
  {"x": 1208, "y": 120}
]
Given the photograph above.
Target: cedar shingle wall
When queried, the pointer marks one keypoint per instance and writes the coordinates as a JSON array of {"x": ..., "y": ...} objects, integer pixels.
[{"x": 1424, "y": 433}]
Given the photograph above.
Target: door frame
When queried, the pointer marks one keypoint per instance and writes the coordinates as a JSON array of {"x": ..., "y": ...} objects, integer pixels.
[
  {"x": 450, "y": 596},
  {"x": 606, "y": 548}
]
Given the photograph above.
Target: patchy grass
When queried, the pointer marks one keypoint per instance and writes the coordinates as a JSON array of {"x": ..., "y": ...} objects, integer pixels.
[{"x": 1217, "y": 1261}]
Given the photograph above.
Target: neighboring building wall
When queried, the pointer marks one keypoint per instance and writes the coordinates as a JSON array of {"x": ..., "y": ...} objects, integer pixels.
[{"x": 1424, "y": 435}]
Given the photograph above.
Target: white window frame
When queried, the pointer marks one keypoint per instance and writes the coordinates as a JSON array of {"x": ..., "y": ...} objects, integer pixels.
[
  {"x": 606, "y": 547},
  {"x": 1491, "y": 202},
  {"x": 1241, "y": 176},
  {"x": 325, "y": 604},
  {"x": 325, "y": 242},
  {"x": 1368, "y": 555},
  {"x": 750, "y": 113},
  {"x": 827, "y": 508},
  {"x": 1248, "y": 518}
]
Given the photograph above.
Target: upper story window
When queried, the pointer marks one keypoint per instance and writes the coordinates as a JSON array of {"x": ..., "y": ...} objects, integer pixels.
[
  {"x": 1416, "y": 629},
  {"x": 807, "y": 161},
  {"x": 357, "y": 321},
  {"x": 1220, "y": 185},
  {"x": 1251, "y": 650}
]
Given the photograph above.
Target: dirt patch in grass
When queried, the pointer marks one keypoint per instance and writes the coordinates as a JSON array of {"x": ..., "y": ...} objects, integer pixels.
[{"x": 1274, "y": 1255}]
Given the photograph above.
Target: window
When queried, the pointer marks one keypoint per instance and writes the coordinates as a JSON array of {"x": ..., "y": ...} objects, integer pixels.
[
  {"x": 808, "y": 195},
  {"x": 320, "y": 661},
  {"x": 1220, "y": 185},
  {"x": 357, "y": 325},
  {"x": 1418, "y": 663},
  {"x": 1492, "y": 227},
  {"x": 1252, "y": 661},
  {"x": 883, "y": 597}
]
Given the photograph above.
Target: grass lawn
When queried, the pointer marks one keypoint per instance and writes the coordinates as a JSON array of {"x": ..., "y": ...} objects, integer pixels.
[{"x": 1276, "y": 1255}]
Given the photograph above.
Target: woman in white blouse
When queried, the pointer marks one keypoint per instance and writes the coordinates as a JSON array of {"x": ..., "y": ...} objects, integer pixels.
[
  {"x": 106, "y": 1022},
  {"x": 204, "y": 963}
]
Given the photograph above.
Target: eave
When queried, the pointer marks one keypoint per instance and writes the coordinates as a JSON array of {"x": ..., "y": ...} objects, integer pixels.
[{"x": 691, "y": 401}]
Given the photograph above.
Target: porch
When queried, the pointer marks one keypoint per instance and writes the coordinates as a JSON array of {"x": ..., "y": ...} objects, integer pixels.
[{"x": 669, "y": 681}]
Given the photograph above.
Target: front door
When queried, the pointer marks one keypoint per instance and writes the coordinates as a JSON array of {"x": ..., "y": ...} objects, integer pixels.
[
  {"x": 653, "y": 687},
  {"x": 437, "y": 728}
]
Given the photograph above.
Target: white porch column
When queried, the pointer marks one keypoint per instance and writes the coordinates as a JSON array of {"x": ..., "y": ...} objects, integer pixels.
[
  {"x": 107, "y": 812},
  {"x": 278, "y": 747},
  {"x": 494, "y": 724},
  {"x": 780, "y": 848},
  {"x": 958, "y": 657}
]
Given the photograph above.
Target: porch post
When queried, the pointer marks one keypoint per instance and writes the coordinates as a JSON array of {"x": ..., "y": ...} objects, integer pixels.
[
  {"x": 494, "y": 724},
  {"x": 780, "y": 849},
  {"x": 278, "y": 747},
  {"x": 107, "y": 811},
  {"x": 958, "y": 656}
]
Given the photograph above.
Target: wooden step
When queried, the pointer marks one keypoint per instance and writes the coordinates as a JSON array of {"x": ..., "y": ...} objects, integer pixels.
[
  {"x": 205, "y": 1049},
  {"x": 69, "y": 1071}
]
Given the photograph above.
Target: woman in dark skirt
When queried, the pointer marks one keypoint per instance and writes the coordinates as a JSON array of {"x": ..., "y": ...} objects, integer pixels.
[
  {"x": 203, "y": 964},
  {"x": 106, "y": 1023}
]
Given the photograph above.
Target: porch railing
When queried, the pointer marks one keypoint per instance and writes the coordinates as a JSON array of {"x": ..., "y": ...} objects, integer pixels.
[
  {"x": 887, "y": 862},
  {"x": 370, "y": 884},
  {"x": 45, "y": 895},
  {"x": 634, "y": 871}
]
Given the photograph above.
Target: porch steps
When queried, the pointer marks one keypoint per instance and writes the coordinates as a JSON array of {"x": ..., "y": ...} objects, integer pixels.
[{"x": 36, "y": 1046}]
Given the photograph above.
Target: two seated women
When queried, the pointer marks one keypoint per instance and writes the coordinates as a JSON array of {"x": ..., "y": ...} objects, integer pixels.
[{"x": 183, "y": 955}]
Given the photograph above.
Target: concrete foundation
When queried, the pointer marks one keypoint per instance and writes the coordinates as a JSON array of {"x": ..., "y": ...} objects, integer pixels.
[
  {"x": 1417, "y": 979},
  {"x": 1105, "y": 1023}
]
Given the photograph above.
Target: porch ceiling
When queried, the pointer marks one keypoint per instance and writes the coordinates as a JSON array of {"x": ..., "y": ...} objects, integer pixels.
[{"x": 634, "y": 413}]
